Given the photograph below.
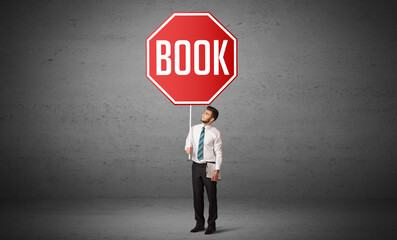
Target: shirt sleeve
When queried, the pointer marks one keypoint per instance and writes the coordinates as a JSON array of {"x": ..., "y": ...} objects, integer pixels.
[
  {"x": 189, "y": 139},
  {"x": 218, "y": 151}
]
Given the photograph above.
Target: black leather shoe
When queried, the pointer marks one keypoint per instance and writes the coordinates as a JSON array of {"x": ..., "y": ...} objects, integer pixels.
[
  {"x": 197, "y": 229},
  {"x": 210, "y": 230}
]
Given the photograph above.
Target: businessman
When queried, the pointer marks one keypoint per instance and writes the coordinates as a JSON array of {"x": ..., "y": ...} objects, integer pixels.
[{"x": 204, "y": 142}]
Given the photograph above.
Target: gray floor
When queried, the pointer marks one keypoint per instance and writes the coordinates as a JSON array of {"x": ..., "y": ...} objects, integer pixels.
[{"x": 173, "y": 218}]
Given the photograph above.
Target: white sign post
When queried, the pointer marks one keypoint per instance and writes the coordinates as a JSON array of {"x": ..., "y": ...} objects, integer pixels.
[{"x": 190, "y": 129}]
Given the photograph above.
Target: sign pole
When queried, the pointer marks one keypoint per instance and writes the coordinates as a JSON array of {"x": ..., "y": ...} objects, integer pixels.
[{"x": 190, "y": 128}]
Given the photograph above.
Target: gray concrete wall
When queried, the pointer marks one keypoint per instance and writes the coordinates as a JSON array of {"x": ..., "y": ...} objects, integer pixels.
[{"x": 311, "y": 115}]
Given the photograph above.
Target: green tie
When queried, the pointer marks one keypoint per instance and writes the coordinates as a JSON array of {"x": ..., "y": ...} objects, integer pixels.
[{"x": 200, "y": 152}]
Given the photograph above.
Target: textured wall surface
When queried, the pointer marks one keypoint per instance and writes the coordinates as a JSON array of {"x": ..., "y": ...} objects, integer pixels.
[{"x": 312, "y": 113}]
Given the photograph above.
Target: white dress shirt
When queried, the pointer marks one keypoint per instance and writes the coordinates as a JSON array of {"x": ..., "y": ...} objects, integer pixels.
[{"x": 212, "y": 144}]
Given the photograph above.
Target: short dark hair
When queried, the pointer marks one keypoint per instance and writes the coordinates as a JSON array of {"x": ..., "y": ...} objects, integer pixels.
[{"x": 214, "y": 112}]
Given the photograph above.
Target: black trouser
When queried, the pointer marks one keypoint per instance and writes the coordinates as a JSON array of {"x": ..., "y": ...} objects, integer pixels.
[{"x": 200, "y": 180}]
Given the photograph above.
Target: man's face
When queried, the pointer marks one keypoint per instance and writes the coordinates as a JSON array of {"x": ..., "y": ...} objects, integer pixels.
[{"x": 206, "y": 117}]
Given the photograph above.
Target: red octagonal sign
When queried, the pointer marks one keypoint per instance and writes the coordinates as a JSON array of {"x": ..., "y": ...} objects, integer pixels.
[{"x": 191, "y": 58}]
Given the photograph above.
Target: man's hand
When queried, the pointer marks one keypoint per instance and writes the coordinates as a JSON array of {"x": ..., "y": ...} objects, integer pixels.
[
  {"x": 214, "y": 177},
  {"x": 189, "y": 150}
]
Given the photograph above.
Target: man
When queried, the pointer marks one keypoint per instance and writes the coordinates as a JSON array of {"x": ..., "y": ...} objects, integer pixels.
[{"x": 205, "y": 143}]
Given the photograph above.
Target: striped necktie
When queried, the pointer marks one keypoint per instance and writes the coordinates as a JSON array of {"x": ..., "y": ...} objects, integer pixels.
[{"x": 200, "y": 152}]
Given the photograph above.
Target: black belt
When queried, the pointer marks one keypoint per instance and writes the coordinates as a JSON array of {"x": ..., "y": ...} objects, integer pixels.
[{"x": 204, "y": 164}]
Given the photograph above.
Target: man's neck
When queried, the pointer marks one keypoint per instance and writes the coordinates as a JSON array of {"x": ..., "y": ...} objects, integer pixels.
[{"x": 206, "y": 124}]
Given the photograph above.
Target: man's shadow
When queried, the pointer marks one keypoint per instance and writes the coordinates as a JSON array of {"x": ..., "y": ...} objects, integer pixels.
[{"x": 222, "y": 230}]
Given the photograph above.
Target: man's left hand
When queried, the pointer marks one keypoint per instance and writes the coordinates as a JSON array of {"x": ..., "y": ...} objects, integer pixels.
[{"x": 214, "y": 177}]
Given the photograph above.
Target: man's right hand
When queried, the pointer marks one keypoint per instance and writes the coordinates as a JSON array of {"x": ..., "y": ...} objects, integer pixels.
[{"x": 189, "y": 150}]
